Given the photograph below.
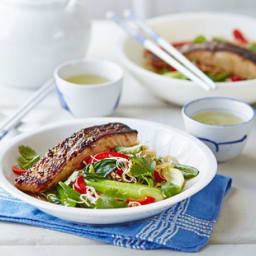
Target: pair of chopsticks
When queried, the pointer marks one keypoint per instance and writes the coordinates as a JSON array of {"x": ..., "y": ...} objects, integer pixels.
[
  {"x": 131, "y": 24},
  {"x": 35, "y": 99}
]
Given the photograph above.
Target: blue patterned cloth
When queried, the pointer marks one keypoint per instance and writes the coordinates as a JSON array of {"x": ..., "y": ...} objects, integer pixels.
[{"x": 186, "y": 226}]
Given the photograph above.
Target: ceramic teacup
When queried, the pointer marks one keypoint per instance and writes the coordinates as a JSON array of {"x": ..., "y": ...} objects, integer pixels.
[
  {"x": 89, "y": 100},
  {"x": 226, "y": 141}
]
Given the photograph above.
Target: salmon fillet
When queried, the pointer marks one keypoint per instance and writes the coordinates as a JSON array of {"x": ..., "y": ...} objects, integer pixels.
[
  {"x": 219, "y": 57},
  {"x": 60, "y": 161},
  {"x": 214, "y": 57}
]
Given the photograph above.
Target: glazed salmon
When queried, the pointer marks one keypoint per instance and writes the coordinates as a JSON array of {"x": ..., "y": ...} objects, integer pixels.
[
  {"x": 217, "y": 57},
  {"x": 214, "y": 57},
  {"x": 60, "y": 161}
]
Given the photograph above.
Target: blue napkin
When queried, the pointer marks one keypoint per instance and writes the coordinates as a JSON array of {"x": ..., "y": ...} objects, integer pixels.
[{"x": 186, "y": 226}]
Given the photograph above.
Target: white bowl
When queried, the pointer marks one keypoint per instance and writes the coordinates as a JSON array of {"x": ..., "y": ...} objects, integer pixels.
[
  {"x": 180, "y": 27},
  {"x": 226, "y": 142},
  {"x": 89, "y": 100},
  {"x": 161, "y": 138}
]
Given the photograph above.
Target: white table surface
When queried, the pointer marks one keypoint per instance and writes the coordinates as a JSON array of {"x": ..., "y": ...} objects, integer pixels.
[{"x": 235, "y": 230}]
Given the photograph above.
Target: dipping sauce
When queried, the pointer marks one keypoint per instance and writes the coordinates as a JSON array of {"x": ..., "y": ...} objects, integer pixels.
[
  {"x": 217, "y": 118},
  {"x": 87, "y": 79}
]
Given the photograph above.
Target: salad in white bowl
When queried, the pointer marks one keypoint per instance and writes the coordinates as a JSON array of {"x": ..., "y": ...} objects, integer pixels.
[
  {"x": 211, "y": 41},
  {"x": 221, "y": 59},
  {"x": 123, "y": 177},
  {"x": 104, "y": 173}
]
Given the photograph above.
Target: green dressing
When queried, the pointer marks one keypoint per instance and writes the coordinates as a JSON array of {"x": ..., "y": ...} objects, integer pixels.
[
  {"x": 217, "y": 118},
  {"x": 87, "y": 79}
]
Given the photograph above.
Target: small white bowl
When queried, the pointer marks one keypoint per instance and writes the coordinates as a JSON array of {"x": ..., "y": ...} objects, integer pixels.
[
  {"x": 227, "y": 141},
  {"x": 163, "y": 139},
  {"x": 89, "y": 100},
  {"x": 182, "y": 27}
]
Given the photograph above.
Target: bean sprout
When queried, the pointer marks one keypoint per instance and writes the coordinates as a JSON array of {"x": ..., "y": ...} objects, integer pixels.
[
  {"x": 90, "y": 195},
  {"x": 134, "y": 204}
]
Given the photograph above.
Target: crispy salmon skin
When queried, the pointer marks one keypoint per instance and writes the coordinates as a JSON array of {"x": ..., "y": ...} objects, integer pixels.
[{"x": 60, "y": 161}]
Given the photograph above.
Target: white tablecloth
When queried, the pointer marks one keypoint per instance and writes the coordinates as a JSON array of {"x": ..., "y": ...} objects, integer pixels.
[{"x": 235, "y": 230}]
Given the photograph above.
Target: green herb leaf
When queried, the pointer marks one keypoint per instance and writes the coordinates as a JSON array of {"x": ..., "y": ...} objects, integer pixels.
[
  {"x": 220, "y": 77},
  {"x": 105, "y": 166},
  {"x": 70, "y": 197},
  {"x": 69, "y": 192},
  {"x": 93, "y": 176},
  {"x": 65, "y": 200},
  {"x": 111, "y": 199},
  {"x": 200, "y": 39},
  {"x": 142, "y": 166},
  {"x": 28, "y": 157},
  {"x": 102, "y": 167},
  {"x": 26, "y": 152}
]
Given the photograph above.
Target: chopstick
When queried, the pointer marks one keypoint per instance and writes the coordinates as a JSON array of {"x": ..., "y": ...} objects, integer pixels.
[
  {"x": 154, "y": 48},
  {"x": 168, "y": 47},
  {"x": 35, "y": 99}
]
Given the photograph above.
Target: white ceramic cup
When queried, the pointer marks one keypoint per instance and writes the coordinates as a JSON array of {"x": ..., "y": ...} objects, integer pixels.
[
  {"x": 89, "y": 100},
  {"x": 227, "y": 141}
]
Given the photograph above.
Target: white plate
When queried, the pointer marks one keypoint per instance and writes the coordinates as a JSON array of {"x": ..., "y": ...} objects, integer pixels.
[
  {"x": 161, "y": 138},
  {"x": 181, "y": 27}
]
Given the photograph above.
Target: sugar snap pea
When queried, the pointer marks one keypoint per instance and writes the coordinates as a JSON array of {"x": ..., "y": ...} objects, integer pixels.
[
  {"x": 130, "y": 190},
  {"x": 188, "y": 171}
]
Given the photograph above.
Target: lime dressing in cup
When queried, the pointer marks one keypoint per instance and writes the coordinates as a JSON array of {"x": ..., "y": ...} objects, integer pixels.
[
  {"x": 87, "y": 79},
  {"x": 217, "y": 118},
  {"x": 95, "y": 99},
  {"x": 222, "y": 123}
]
